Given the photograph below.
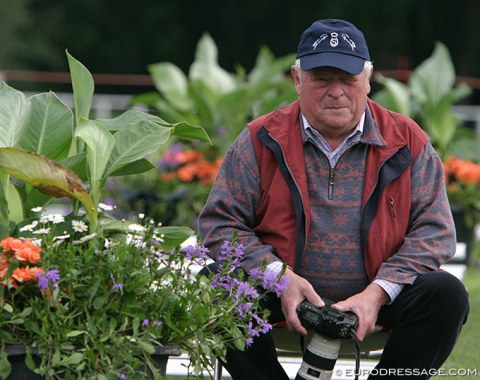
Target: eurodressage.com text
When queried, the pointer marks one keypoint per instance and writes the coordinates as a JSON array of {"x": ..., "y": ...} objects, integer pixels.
[{"x": 460, "y": 372}]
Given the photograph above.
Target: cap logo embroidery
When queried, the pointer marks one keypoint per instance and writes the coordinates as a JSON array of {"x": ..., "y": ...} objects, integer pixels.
[
  {"x": 334, "y": 39},
  {"x": 320, "y": 39},
  {"x": 347, "y": 38}
]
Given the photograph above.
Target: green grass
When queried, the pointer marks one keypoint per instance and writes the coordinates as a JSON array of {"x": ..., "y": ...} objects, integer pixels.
[{"x": 467, "y": 351}]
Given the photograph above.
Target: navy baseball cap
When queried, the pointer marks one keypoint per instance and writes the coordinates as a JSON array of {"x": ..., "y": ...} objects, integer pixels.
[{"x": 333, "y": 43}]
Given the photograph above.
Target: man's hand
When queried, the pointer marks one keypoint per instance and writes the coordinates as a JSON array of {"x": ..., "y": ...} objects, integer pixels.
[
  {"x": 297, "y": 290},
  {"x": 366, "y": 305}
]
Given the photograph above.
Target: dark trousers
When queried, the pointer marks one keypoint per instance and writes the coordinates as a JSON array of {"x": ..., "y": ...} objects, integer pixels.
[{"x": 425, "y": 321}]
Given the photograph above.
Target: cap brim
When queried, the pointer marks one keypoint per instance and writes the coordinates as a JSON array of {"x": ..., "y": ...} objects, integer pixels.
[{"x": 349, "y": 63}]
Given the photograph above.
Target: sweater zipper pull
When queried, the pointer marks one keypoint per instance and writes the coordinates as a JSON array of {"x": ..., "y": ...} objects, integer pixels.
[{"x": 330, "y": 183}]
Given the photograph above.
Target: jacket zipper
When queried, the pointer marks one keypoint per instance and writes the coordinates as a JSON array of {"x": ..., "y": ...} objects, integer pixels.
[
  {"x": 331, "y": 182},
  {"x": 392, "y": 207}
]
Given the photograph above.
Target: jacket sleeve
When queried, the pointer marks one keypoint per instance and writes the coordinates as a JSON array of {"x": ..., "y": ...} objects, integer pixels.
[
  {"x": 230, "y": 207},
  {"x": 430, "y": 240}
]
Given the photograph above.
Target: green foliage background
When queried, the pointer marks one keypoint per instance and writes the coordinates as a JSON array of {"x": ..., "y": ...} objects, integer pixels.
[{"x": 124, "y": 36}]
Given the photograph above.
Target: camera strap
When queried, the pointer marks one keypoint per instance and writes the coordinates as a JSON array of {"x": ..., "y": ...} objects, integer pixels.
[{"x": 357, "y": 354}]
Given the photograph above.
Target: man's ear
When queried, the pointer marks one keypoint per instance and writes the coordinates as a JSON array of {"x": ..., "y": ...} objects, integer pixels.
[{"x": 296, "y": 77}]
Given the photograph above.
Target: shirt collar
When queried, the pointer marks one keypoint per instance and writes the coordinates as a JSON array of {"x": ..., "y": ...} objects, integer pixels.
[{"x": 309, "y": 129}]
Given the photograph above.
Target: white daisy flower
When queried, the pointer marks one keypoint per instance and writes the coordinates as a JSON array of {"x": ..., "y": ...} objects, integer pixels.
[
  {"x": 85, "y": 238},
  {"x": 61, "y": 237},
  {"x": 29, "y": 227},
  {"x": 104, "y": 207},
  {"x": 79, "y": 226},
  {"x": 141, "y": 216},
  {"x": 56, "y": 218},
  {"x": 42, "y": 231},
  {"x": 44, "y": 219},
  {"x": 136, "y": 227}
]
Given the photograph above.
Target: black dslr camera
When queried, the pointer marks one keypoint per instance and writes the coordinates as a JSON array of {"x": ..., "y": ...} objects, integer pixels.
[{"x": 326, "y": 321}]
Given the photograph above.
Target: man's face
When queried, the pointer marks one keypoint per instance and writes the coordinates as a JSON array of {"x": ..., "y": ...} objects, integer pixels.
[{"x": 332, "y": 100}]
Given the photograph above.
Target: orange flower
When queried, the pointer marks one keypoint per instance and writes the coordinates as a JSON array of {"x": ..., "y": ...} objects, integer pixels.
[
  {"x": 11, "y": 244},
  {"x": 28, "y": 254},
  {"x": 3, "y": 269},
  {"x": 24, "y": 250},
  {"x": 466, "y": 172},
  {"x": 25, "y": 274}
]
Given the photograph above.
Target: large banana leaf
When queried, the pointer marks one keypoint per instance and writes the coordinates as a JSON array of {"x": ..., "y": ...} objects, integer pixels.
[
  {"x": 135, "y": 141},
  {"x": 50, "y": 129},
  {"x": 47, "y": 176},
  {"x": 434, "y": 77},
  {"x": 15, "y": 112},
  {"x": 100, "y": 144},
  {"x": 83, "y": 87},
  {"x": 172, "y": 83},
  {"x": 395, "y": 95},
  {"x": 206, "y": 67}
]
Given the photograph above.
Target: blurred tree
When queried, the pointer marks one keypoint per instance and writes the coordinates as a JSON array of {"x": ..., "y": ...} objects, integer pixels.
[
  {"x": 11, "y": 28},
  {"x": 125, "y": 36}
]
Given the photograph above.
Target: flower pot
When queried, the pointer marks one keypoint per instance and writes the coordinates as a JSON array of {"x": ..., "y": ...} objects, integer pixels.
[{"x": 17, "y": 353}]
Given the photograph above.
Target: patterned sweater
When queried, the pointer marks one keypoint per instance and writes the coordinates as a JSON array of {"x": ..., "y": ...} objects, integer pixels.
[{"x": 332, "y": 258}]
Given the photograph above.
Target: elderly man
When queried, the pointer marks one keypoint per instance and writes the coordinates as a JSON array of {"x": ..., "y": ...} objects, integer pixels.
[{"x": 349, "y": 195}]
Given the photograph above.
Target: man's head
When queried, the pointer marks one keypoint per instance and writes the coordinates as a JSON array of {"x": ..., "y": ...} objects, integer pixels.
[
  {"x": 332, "y": 77},
  {"x": 333, "y": 43}
]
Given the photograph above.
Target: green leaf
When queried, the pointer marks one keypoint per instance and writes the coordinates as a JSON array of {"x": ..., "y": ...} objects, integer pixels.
[
  {"x": 29, "y": 362},
  {"x": 56, "y": 357},
  {"x": 15, "y": 111},
  {"x": 5, "y": 366},
  {"x": 174, "y": 236},
  {"x": 172, "y": 83},
  {"x": 100, "y": 144},
  {"x": 50, "y": 130},
  {"x": 73, "y": 359},
  {"x": 26, "y": 312},
  {"x": 206, "y": 68},
  {"x": 7, "y": 307},
  {"x": 395, "y": 95},
  {"x": 148, "y": 347},
  {"x": 130, "y": 117},
  {"x": 15, "y": 204},
  {"x": 135, "y": 141},
  {"x": 435, "y": 76},
  {"x": 74, "y": 333},
  {"x": 46, "y": 175},
  {"x": 189, "y": 131},
  {"x": 135, "y": 167},
  {"x": 83, "y": 87}
]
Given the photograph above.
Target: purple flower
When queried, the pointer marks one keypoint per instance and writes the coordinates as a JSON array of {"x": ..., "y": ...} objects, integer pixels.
[
  {"x": 44, "y": 279},
  {"x": 243, "y": 309},
  {"x": 145, "y": 322},
  {"x": 42, "y": 282},
  {"x": 53, "y": 275},
  {"x": 198, "y": 254},
  {"x": 270, "y": 281},
  {"x": 244, "y": 289},
  {"x": 231, "y": 254},
  {"x": 117, "y": 287}
]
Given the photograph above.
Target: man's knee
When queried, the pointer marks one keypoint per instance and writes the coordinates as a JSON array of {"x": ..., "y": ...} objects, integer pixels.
[{"x": 444, "y": 292}]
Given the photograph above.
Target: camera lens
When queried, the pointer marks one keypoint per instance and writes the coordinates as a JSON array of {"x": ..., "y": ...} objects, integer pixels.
[{"x": 319, "y": 358}]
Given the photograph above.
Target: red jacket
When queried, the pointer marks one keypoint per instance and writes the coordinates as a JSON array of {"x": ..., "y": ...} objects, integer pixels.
[{"x": 278, "y": 145}]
